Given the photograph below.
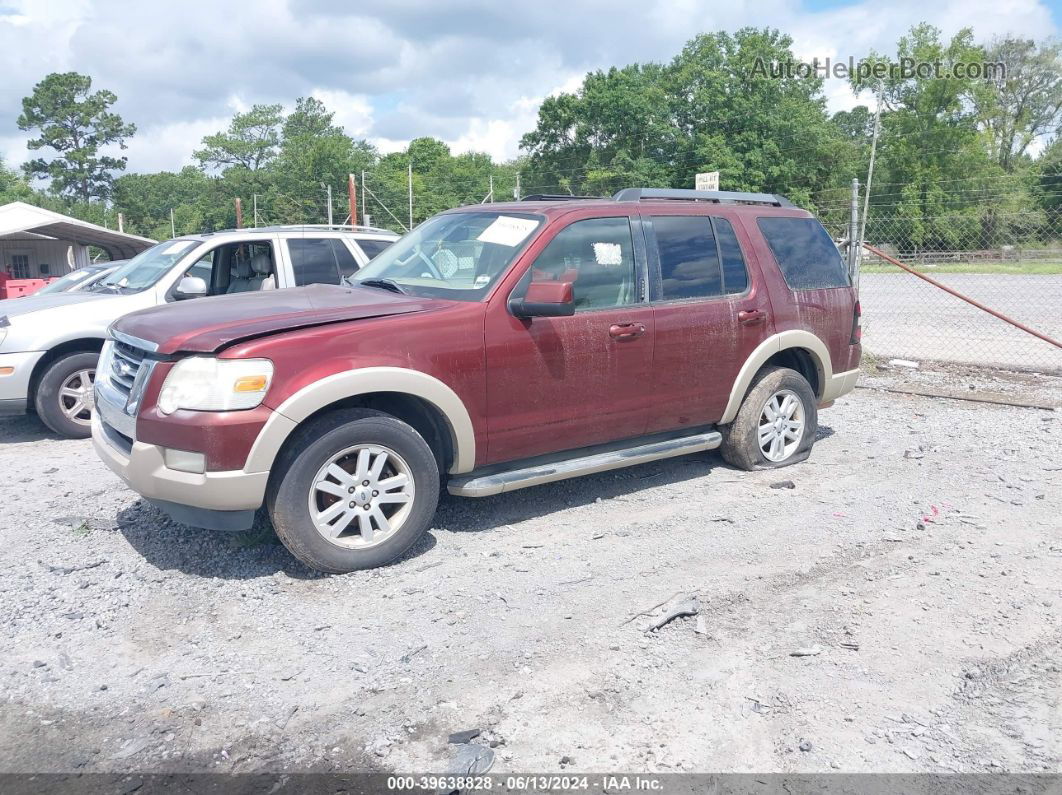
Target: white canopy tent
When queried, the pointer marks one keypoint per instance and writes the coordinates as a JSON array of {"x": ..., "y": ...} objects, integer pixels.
[{"x": 37, "y": 243}]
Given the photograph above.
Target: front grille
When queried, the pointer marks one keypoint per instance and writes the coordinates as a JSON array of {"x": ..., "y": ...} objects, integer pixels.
[{"x": 125, "y": 365}]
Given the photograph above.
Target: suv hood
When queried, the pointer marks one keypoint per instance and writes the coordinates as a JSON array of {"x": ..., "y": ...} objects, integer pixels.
[{"x": 205, "y": 325}]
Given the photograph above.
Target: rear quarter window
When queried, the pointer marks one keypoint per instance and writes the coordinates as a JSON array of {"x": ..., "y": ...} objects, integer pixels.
[{"x": 805, "y": 253}]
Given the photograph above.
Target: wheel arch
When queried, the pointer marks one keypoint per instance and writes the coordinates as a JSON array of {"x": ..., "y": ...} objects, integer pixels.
[
  {"x": 798, "y": 349},
  {"x": 420, "y": 400},
  {"x": 79, "y": 345}
]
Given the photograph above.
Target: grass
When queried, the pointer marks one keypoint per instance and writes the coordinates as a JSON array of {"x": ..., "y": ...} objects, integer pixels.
[{"x": 1027, "y": 268}]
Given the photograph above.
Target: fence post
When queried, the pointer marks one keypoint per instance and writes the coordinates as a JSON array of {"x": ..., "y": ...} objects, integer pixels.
[{"x": 853, "y": 236}]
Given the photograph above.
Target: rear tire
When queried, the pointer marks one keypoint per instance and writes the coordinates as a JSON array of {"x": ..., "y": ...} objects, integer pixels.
[
  {"x": 338, "y": 506},
  {"x": 64, "y": 399},
  {"x": 776, "y": 425}
]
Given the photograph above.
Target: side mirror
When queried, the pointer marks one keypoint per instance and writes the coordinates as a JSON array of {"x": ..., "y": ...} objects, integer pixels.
[
  {"x": 545, "y": 299},
  {"x": 190, "y": 287}
]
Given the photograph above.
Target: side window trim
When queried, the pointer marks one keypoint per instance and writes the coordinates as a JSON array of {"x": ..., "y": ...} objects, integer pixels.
[{"x": 656, "y": 276}]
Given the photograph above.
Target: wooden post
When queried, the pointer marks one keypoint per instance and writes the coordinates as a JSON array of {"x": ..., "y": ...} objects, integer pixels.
[
  {"x": 239, "y": 213},
  {"x": 352, "y": 199}
]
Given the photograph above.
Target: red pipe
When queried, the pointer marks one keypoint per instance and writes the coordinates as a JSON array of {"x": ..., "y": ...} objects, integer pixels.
[{"x": 967, "y": 299}]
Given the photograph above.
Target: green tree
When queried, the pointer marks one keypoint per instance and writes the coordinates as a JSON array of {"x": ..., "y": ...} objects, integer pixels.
[
  {"x": 147, "y": 199},
  {"x": 1023, "y": 100},
  {"x": 12, "y": 186},
  {"x": 250, "y": 142},
  {"x": 935, "y": 170},
  {"x": 709, "y": 109},
  {"x": 314, "y": 153},
  {"x": 74, "y": 122}
]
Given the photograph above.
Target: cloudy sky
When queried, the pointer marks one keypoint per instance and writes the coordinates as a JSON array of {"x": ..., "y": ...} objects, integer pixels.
[{"x": 471, "y": 72}]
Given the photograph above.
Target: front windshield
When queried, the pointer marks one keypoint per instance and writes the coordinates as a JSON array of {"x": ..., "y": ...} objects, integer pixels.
[
  {"x": 456, "y": 255},
  {"x": 71, "y": 279},
  {"x": 145, "y": 268}
]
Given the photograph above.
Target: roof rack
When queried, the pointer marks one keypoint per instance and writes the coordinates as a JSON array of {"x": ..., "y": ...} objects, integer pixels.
[
  {"x": 717, "y": 196},
  {"x": 307, "y": 227},
  {"x": 557, "y": 197}
]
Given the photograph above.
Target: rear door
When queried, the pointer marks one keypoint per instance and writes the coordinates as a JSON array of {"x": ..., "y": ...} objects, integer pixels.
[
  {"x": 709, "y": 315},
  {"x": 559, "y": 383}
]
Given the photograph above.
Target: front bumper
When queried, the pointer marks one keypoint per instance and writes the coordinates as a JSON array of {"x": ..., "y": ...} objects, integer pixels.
[
  {"x": 216, "y": 500},
  {"x": 14, "y": 388}
]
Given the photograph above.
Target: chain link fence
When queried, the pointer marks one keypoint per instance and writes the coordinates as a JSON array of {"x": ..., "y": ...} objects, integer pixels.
[{"x": 1011, "y": 263}]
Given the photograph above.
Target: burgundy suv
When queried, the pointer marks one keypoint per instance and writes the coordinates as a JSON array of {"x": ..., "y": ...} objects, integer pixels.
[{"x": 493, "y": 347}]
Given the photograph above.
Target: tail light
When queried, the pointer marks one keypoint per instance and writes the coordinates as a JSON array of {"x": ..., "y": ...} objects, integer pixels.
[{"x": 857, "y": 325}]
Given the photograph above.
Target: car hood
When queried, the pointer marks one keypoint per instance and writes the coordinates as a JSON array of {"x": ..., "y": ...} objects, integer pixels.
[
  {"x": 13, "y": 307},
  {"x": 206, "y": 325}
]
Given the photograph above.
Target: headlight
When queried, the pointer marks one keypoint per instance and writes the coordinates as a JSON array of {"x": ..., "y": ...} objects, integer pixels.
[{"x": 202, "y": 383}]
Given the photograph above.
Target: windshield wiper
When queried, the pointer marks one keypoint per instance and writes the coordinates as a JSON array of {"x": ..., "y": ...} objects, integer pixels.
[{"x": 386, "y": 284}]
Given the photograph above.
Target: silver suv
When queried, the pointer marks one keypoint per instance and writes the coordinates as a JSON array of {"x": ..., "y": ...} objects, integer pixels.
[{"x": 49, "y": 344}]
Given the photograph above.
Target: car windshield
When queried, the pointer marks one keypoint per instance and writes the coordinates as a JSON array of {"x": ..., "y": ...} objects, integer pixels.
[
  {"x": 146, "y": 268},
  {"x": 455, "y": 255},
  {"x": 71, "y": 279}
]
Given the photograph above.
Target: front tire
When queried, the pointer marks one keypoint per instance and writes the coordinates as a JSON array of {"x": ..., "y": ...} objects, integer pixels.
[
  {"x": 355, "y": 490},
  {"x": 776, "y": 425},
  {"x": 64, "y": 399}
]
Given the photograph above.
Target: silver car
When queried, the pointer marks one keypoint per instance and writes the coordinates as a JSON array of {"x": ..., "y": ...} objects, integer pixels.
[{"x": 49, "y": 343}]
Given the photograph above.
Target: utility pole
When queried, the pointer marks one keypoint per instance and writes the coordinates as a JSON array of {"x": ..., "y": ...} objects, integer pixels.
[
  {"x": 410, "y": 179},
  {"x": 516, "y": 190},
  {"x": 364, "y": 213},
  {"x": 173, "y": 228},
  {"x": 121, "y": 222},
  {"x": 491, "y": 194},
  {"x": 239, "y": 213},
  {"x": 254, "y": 198},
  {"x": 870, "y": 176},
  {"x": 328, "y": 190}
]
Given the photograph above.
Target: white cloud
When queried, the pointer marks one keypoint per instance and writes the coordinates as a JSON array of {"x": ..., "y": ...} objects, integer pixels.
[{"x": 471, "y": 72}]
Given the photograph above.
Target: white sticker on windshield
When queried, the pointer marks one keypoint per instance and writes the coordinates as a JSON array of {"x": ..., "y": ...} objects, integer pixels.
[
  {"x": 608, "y": 253},
  {"x": 507, "y": 230},
  {"x": 177, "y": 246}
]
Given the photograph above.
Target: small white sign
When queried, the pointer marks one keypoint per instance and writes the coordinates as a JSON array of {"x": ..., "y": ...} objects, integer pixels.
[
  {"x": 707, "y": 181},
  {"x": 608, "y": 253},
  {"x": 506, "y": 230}
]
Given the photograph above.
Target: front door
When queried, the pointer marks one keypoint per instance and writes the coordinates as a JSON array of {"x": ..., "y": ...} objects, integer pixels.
[{"x": 559, "y": 383}]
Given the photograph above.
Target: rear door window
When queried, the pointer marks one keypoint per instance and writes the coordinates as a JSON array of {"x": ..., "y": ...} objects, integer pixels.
[
  {"x": 689, "y": 259},
  {"x": 806, "y": 255},
  {"x": 698, "y": 257},
  {"x": 373, "y": 247},
  {"x": 313, "y": 261}
]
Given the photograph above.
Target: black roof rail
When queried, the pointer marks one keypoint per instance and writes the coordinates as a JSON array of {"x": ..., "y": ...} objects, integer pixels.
[
  {"x": 557, "y": 197},
  {"x": 718, "y": 196}
]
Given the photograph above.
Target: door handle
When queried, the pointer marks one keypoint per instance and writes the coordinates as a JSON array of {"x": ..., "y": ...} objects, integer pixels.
[
  {"x": 751, "y": 317},
  {"x": 626, "y": 331}
]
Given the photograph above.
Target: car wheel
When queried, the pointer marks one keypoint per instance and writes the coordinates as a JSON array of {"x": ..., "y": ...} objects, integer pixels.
[
  {"x": 64, "y": 399},
  {"x": 776, "y": 424},
  {"x": 354, "y": 490}
]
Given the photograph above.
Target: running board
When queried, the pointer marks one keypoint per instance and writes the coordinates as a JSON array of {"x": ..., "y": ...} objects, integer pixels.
[{"x": 511, "y": 480}]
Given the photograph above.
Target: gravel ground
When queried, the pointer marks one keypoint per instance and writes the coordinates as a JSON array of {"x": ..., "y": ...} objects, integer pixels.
[
  {"x": 904, "y": 316},
  {"x": 914, "y": 565}
]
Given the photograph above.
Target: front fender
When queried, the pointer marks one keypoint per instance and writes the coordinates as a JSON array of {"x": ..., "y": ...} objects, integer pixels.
[{"x": 362, "y": 381}]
